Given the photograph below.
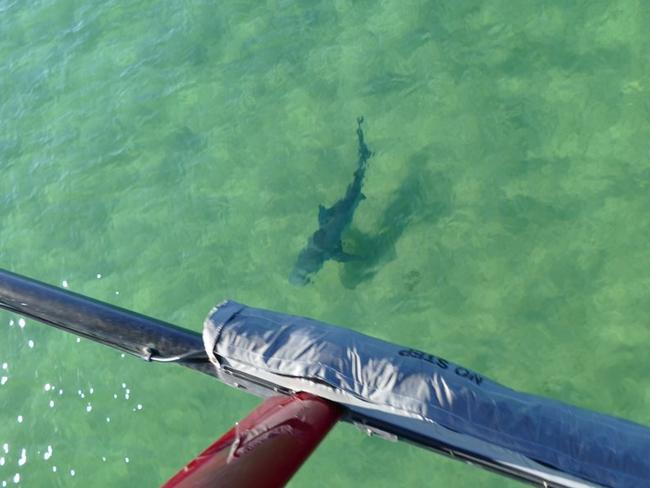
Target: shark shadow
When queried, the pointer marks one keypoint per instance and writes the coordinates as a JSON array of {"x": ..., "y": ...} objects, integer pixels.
[{"x": 422, "y": 196}]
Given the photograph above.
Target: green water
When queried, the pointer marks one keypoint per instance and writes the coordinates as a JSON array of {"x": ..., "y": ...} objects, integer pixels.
[{"x": 165, "y": 156}]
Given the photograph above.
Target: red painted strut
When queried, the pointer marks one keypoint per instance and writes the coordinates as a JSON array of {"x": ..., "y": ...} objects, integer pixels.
[{"x": 266, "y": 448}]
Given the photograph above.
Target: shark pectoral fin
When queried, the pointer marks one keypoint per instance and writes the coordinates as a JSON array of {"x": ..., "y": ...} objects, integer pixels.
[
  {"x": 363, "y": 197},
  {"x": 343, "y": 257}
]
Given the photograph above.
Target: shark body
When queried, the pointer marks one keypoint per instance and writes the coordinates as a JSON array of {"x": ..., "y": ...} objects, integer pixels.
[{"x": 325, "y": 243}]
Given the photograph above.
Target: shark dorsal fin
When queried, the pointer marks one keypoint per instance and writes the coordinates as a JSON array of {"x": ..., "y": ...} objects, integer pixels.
[{"x": 324, "y": 215}]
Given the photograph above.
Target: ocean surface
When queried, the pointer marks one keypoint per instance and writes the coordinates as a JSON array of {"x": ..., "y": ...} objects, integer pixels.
[{"x": 164, "y": 156}]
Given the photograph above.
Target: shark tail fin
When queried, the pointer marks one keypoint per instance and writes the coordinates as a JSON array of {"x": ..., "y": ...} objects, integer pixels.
[{"x": 364, "y": 152}]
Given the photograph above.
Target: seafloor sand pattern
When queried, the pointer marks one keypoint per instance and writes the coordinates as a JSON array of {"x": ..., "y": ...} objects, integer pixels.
[{"x": 164, "y": 156}]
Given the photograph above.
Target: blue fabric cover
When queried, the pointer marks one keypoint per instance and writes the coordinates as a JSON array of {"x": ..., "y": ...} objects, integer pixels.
[{"x": 594, "y": 447}]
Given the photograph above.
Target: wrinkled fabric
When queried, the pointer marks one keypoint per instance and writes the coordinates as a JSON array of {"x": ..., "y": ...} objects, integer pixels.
[{"x": 401, "y": 381}]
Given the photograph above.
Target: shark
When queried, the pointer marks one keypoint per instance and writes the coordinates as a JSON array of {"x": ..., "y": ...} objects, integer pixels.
[{"x": 325, "y": 243}]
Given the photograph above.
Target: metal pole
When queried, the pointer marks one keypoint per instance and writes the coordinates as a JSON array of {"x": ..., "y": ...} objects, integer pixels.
[{"x": 136, "y": 334}]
